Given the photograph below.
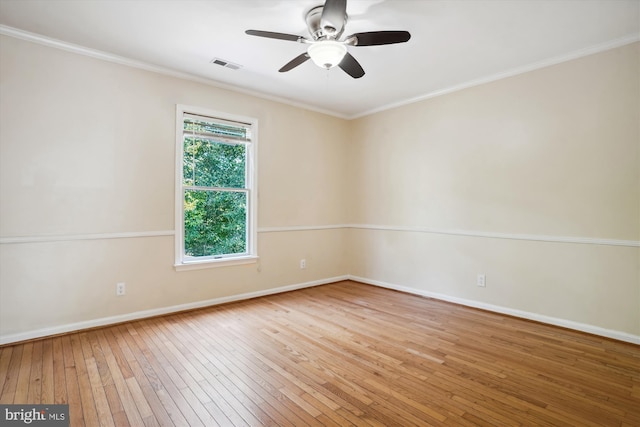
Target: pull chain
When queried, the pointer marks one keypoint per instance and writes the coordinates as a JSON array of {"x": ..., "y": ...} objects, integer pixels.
[{"x": 326, "y": 80}]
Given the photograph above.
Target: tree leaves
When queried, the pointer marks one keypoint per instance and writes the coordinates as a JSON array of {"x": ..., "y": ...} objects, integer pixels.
[
  {"x": 215, "y": 222},
  {"x": 215, "y": 214},
  {"x": 211, "y": 164}
]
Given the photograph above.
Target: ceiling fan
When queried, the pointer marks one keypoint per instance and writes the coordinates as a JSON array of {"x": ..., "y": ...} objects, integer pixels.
[{"x": 326, "y": 49}]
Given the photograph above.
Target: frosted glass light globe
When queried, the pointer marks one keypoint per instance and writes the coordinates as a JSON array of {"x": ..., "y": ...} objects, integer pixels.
[{"x": 327, "y": 54}]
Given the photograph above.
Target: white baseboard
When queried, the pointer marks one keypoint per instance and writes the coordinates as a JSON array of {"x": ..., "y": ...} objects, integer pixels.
[
  {"x": 595, "y": 330},
  {"x": 105, "y": 321}
]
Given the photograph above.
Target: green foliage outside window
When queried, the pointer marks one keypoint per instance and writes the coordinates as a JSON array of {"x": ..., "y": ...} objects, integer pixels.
[
  {"x": 214, "y": 223},
  {"x": 215, "y": 197}
]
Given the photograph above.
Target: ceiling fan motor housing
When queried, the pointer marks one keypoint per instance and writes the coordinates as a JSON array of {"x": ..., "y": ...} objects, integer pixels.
[{"x": 316, "y": 30}]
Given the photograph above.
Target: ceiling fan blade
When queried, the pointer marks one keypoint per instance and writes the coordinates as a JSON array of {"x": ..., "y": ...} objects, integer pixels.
[
  {"x": 300, "y": 59},
  {"x": 375, "y": 38},
  {"x": 272, "y": 35},
  {"x": 351, "y": 66},
  {"x": 334, "y": 16}
]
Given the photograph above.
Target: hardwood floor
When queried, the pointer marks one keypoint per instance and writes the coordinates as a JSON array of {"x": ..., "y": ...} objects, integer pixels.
[{"x": 333, "y": 355}]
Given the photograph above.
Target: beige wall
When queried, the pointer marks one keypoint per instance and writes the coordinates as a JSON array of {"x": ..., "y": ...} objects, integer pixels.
[
  {"x": 87, "y": 147},
  {"x": 553, "y": 152}
]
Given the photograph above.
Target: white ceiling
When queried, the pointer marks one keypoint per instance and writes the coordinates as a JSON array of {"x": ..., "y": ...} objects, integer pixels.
[{"x": 454, "y": 43}]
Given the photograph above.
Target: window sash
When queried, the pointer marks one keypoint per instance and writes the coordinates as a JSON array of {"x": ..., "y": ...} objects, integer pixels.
[
  {"x": 245, "y": 237},
  {"x": 249, "y": 126},
  {"x": 202, "y": 188},
  {"x": 195, "y": 170}
]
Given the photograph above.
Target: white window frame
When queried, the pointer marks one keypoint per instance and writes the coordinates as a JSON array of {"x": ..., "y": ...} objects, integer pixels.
[{"x": 251, "y": 186}]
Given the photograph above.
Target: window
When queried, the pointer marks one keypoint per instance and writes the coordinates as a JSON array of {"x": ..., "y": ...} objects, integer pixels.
[{"x": 215, "y": 188}]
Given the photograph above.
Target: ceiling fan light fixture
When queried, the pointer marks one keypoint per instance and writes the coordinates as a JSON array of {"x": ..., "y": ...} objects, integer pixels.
[
  {"x": 327, "y": 53},
  {"x": 327, "y": 48}
]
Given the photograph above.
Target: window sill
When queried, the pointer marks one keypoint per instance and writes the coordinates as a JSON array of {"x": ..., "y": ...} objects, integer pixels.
[{"x": 198, "y": 265}]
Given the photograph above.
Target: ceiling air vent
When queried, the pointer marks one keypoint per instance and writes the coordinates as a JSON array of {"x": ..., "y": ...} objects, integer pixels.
[{"x": 226, "y": 64}]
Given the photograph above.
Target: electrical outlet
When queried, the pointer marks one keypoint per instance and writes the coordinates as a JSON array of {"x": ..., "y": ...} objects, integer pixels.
[
  {"x": 121, "y": 289},
  {"x": 481, "y": 280},
  {"x": 303, "y": 263}
]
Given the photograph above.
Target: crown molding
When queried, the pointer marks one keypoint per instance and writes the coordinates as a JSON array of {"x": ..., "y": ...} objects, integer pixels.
[
  {"x": 105, "y": 56},
  {"x": 591, "y": 50},
  {"x": 109, "y": 57}
]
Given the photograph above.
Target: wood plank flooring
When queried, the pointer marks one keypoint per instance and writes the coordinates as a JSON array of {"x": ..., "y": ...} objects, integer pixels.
[{"x": 333, "y": 355}]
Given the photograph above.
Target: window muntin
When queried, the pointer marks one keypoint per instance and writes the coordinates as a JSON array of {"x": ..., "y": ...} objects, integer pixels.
[{"x": 215, "y": 187}]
